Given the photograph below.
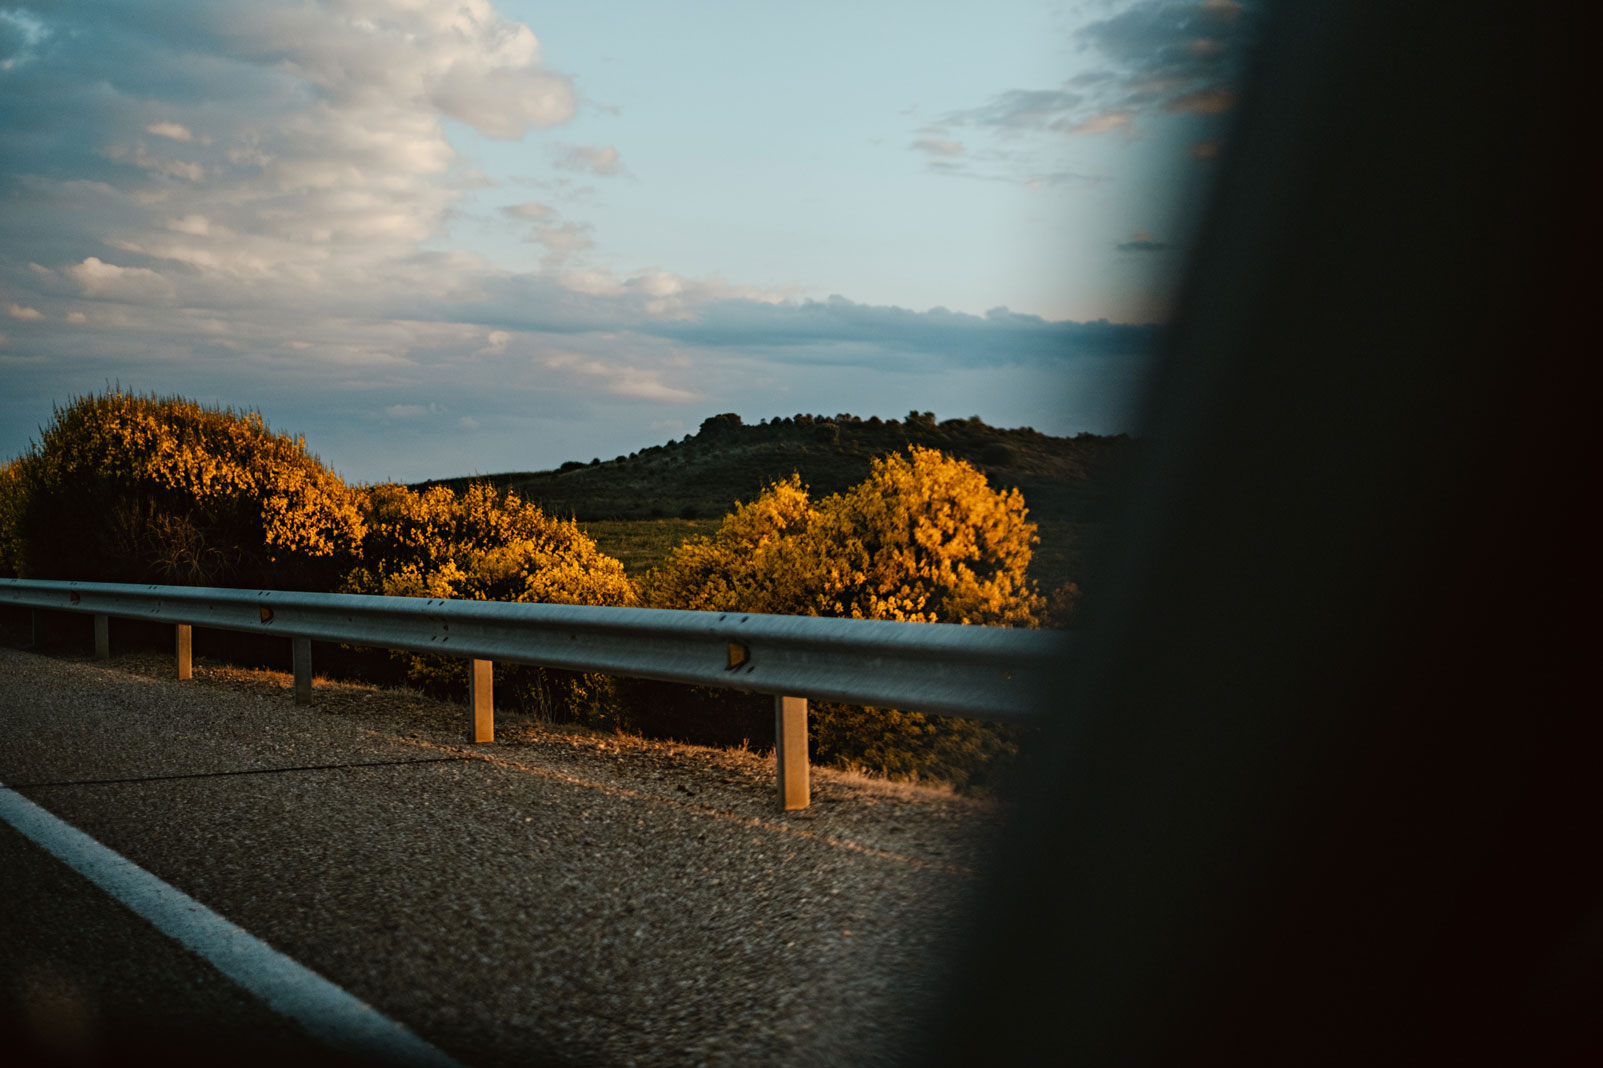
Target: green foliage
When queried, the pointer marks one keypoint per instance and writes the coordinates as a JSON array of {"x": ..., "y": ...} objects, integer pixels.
[
  {"x": 923, "y": 538},
  {"x": 642, "y": 544},
  {"x": 487, "y": 544},
  {"x": 124, "y": 488}
]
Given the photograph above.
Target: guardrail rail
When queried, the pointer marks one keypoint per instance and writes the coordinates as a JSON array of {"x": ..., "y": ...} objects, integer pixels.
[{"x": 945, "y": 668}]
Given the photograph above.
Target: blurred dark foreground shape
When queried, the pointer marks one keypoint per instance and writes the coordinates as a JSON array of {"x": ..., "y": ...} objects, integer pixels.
[{"x": 1321, "y": 789}]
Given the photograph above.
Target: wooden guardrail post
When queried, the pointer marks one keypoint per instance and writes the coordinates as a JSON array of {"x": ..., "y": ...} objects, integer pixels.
[
  {"x": 183, "y": 647},
  {"x": 102, "y": 637},
  {"x": 301, "y": 658},
  {"x": 481, "y": 701},
  {"x": 790, "y": 751}
]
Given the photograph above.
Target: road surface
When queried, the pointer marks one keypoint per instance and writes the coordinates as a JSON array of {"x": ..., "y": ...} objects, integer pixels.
[{"x": 553, "y": 898}]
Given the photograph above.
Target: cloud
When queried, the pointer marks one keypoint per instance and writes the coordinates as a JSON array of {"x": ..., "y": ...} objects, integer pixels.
[
  {"x": 20, "y": 35},
  {"x": 1150, "y": 59},
  {"x": 1214, "y": 100},
  {"x": 495, "y": 343},
  {"x": 840, "y": 330},
  {"x": 1173, "y": 55},
  {"x": 462, "y": 59},
  {"x": 1107, "y": 122},
  {"x": 1025, "y": 109},
  {"x": 170, "y": 130},
  {"x": 561, "y": 242},
  {"x": 1223, "y": 10},
  {"x": 1141, "y": 241},
  {"x": 601, "y": 160},
  {"x": 622, "y": 381},
  {"x": 111, "y": 282},
  {"x": 530, "y": 210},
  {"x": 246, "y": 204},
  {"x": 295, "y": 149},
  {"x": 936, "y": 146}
]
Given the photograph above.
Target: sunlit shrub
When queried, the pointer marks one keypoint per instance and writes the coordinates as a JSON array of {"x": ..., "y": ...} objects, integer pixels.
[
  {"x": 922, "y": 539},
  {"x": 486, "y": 544},
  {"x": 144, "y": 489},
  {"x": 11, "y": 502}
]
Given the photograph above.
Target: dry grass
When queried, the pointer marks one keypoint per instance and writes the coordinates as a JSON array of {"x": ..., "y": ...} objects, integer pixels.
[{"x": 411, "y": 714}]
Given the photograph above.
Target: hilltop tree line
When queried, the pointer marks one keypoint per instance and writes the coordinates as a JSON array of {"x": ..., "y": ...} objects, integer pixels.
[
  {"x": 702, "y": 475},
  {"x": 128, "y": 488}
]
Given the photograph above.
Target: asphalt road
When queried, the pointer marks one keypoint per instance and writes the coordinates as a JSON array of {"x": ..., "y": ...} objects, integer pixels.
[{"x": 509, "y": 910}]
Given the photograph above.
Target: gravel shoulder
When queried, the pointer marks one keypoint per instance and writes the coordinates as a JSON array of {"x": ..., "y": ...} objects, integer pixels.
[{"x": 923, "y": 825}]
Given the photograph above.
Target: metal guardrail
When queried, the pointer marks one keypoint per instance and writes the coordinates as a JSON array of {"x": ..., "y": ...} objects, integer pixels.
[{"x": 988, "y": 672}]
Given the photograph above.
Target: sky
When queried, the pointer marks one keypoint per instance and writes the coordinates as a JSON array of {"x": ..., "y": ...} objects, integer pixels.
[{"x": 440, "y": 238}]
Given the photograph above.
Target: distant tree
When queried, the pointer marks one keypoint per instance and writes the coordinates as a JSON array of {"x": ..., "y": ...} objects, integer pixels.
[{"x": 716, "y": 426}]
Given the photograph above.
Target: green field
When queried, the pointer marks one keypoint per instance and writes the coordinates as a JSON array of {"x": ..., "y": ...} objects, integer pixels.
[{"x": 642, "y": 544}]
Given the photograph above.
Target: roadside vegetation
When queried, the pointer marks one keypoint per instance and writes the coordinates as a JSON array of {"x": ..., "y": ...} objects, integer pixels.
[{"x": 129, "y": 488}]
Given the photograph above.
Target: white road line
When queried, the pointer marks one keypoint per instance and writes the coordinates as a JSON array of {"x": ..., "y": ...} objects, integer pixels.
[{"x": 327, "y": 1012}]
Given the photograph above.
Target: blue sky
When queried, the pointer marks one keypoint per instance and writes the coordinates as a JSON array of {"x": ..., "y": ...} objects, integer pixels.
[{"x": 444, "y": 239}]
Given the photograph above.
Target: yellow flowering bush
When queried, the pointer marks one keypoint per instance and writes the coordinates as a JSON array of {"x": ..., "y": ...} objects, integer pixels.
[
  {"x": 923, "y": 539},
  {"x": 750, "y": 564},
  {"x": 129, "y": 488},
  {"x": 485, "y": 544},
  {"x": 11, "y": 544}
]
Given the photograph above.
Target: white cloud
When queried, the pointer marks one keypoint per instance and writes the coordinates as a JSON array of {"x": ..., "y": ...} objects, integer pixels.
[
  {"x": 504, "y": 103},
  {"x": 141, "y": 157},
  {"x": 109, "y": 281},
  {"x": 563, "y": 241},
  {"x": 589, "y": 372},
  {"x": 171, "y": 130},
  {"x": 17, "y": 311},
  {"x": 313, "y": 161},
  {"x": 939, "y": 146},
  {"x": 591, "y": 283},
  {"x": 1108, "y": 122},
  {"x": 495, "y": 344},
  {"x": 462, "y": 58},
  {"x": 197, "y": 225},
  {"x": 530, "y": 210}
]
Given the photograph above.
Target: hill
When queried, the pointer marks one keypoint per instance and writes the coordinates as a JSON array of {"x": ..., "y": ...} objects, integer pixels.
[
  {"x": 704, "y": 474},
  {"x": 638, "y": 507}
]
